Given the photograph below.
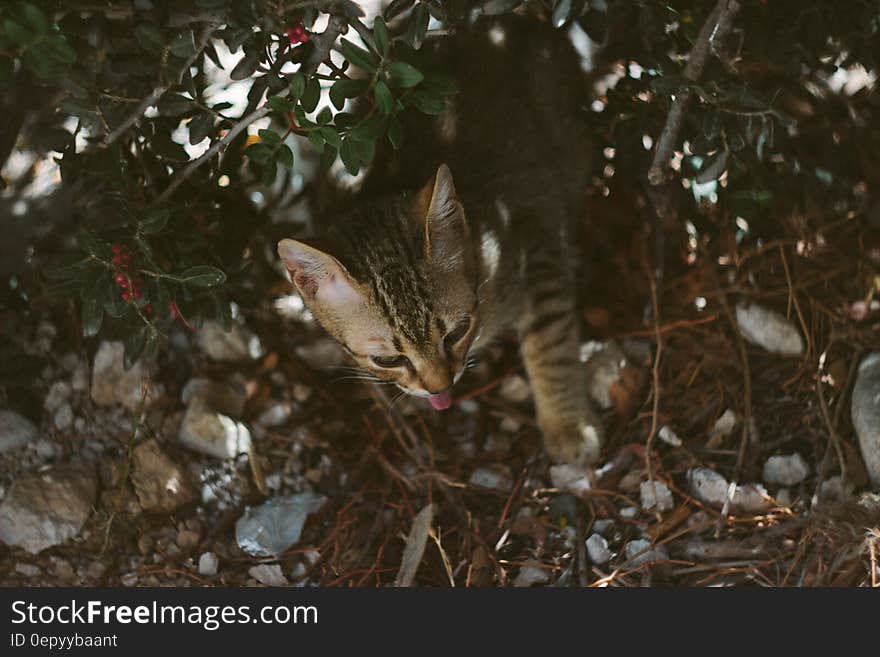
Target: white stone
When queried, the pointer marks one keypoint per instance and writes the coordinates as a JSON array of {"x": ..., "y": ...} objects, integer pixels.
[
  {"x": 491, "y": 478},
  {"x": 111, "y": 384},
  {"x": 268, "y": 575},
  {"x": 63, "y": 418},
  {"x": 531, "y": 575},
  {"x": 204, "y": 430},
  {"x": 208, "y": 563},
  {"x": 710, "y": 487},
  {"x": 59, "y": 393},
  {"x": 276, "y": 525},
  {"x": 15, "y": 431},
  {"x": 571, "y": 478},
  {"x": 668, "y": 436},
  {"x": 785, "y": 470},
  {"x": 866, "y": 414},
  {"x": 768, "y": 329},
  {"x": 603, "y": 362},
  {"x": 515, "y": 389},
  {"x": 633, "y": 548},
  {"x": 663, "y": 502},
  {"x": 236, "y": 345},
  {"x": 597, "y": 549}
]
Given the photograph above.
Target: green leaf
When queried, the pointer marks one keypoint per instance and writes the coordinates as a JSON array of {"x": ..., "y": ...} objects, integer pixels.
[
  {"x": 297, "y": 86},
  {"x": 149, "y": 37},
  {"x": 403, "y": 75},
  {"x": 358, "y": 56},
  {"x": 380, "y": 33},
  {"x": 311, "y": 95},
  {"x": 395, "y": 133},
  {"x": 495, "y": 7},
  {"x": 59, "y": 49},
  {"x": 331, "y": 136},
  {"x": 351, "y": 9},
  {"x": 183, "y": 45},
  {"x": 384, "y": 99},
  {"x": 154, "y": 221},
  {"x": 92, "y": 316},
  {"x": 259, "y": 153},
  {"x": 270, "y": 172},
  {"x": 344, "y": 88},
  {"x": 18, "y": 32},
  {"x": 134, "y": 346},
  {"x": 246, "y": 66},
  {"x": 279, "y": 104},
  {"x": 37, "y": 61},
  {"x": 349, "y": 154},
  {"x": 324, "y": 116},
  {"x": 369, "y": 130},
  {"x": 418, "y": 26},
  {"x": 200, "y": 127},
  {"x": 202, "y": 276},
  {"x": 396, "y": 8},
  {"x": 88, "y": 242},
  {"x": 284, "y": 156},
  {"x": 328, "y": 157},
  {"x": 317, "y": 141},
  {"x": 269, "y": 137},
  {"x": 35, "y": 18},
  {"x": 427, "y": 102},
  {"x": 173, "y": 104},
  {"x": 561, "y": 12}
]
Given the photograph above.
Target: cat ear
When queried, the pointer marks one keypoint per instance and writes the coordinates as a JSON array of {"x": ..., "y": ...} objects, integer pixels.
[
  {"x": 318, "y": 275},
  {"x": 446, "y": 229}
]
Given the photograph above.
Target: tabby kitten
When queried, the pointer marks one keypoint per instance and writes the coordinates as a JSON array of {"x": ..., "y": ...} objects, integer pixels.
[{"x": 413, "y": 283}]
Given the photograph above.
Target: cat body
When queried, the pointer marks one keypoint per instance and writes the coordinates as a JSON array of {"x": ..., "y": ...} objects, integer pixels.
[{"x": 415, "y": 277}]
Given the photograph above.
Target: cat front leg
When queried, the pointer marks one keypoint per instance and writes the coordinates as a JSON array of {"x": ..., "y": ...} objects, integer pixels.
[{"x": 550, "y": 344}]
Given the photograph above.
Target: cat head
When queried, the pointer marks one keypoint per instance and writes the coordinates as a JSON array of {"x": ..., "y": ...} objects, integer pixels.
[{"x": 397, "y": 288}]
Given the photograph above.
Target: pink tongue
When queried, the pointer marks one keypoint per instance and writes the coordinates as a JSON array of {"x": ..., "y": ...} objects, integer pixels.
[{"x": 441, "y": 401}]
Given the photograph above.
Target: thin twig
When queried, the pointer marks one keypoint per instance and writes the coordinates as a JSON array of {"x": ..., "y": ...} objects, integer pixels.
[
  {"x": 323, "y": 45},
  {"x": 153, "y": 97}
]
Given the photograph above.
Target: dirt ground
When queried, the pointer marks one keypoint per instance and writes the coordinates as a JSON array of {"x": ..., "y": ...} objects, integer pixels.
[{"x": 404, "y": 494}]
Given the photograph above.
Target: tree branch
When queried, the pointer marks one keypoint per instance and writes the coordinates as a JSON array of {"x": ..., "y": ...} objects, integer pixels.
[
  {"x": 714, "y": 30},
  {"x": 323, "y": 44},
  {"x": 153, "y": 97}
]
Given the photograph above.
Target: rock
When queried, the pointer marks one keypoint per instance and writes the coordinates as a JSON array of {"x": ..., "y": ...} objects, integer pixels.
[
  {"x": 603, "y": 362},
  {"x": 571, "y": 478},
  {"x": 276, "y": 415},
  {"x": 63, "y": 418},
  {"x": 663, "y": 500},
  {"x": 233, "y": 346},
  {"x": 492, "y": 478},
  {"x": 710, "y": 487},
  {"x": 597, "y": 549},
  {"x": 59, "y": 393},
  {"x": 208, "y": 563},
  {"x": 15, "y": 431},
  {"x": 629, "y": 512},
  {"x": 515, "y": 389},
  {"x": 26, "y": 569},
  {"x": 834, "y": 488},
  {"x": 301, "y": 392},
  {"x": 668, "y": 436},
  {"x": 531, "y": 575},
  {"x": 866, "y": 413},
  {"x": 205, "y": 430},
  {"x": 783, "y": 496},
  {"x": 111, "y": 384},
  {"x": 725, "y": 424},
  {"x": 269, "y": 575},
  {"x": 785, "y": 470},
  {"x": 160, "y": 483},
  {"x": 228, "y": 397},
  {"x": 633, "y": 548},
  {"x": 274, "y": 526},
  {"x": 321, "y": 353},
  {"x": 47, "y": 508},
  {"x": 768, "y": 329}
]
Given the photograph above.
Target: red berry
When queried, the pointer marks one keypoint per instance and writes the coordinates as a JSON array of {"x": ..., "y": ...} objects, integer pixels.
[
  {"x": 137, "y": 293},
  {"x": 148, "y": 309},
  {"x": 117, "y": 248},
  {"x": 119, "y": 278},
  {"x": 126, "y": 296}
]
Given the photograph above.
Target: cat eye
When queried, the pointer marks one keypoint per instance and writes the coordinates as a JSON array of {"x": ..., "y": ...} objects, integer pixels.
[
  {"x": 390, "y": 361},
  {"x": 456, "y": 334}
]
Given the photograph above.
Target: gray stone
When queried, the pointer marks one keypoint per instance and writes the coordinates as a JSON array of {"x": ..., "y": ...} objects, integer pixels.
[
  {"x": 47, "y": 508},
  {"x": 228, "y": 397},
  {"x": 491, "y": 478},
  {"x": 111, "y": 384},
  {"x": 531, "y": 575},
  {"x": 866, "y": 413},
  {"x": 276, "y": 415},
  {"x": 570, "y": 478},
  {"x": 603, "y": 362},
  {"x": 597, "y": 549},
  {"x": 268, "y": 575},
  {"x": 160, "y": 483},
  {"x": 59, "y": 393},
  {"x": 276, "y": 525},
  {"x": 208, "y": 563},
  {"x": 321, "y": 353},
  {"x": 26, "y": 569},
  {"x": 233, "y": 346},
  {"x": 785, "y": 470},
  {"x": 205, "y": 430},
  {"x": 633, "y": 548},
  {"x": 515, "y": 389},
  {"x": 663, "y": 500},
  {"x": 768, "y": 329},
  {"x": 63, "y": 418},
  {"x": 15, "y": 431},
  {"x": 710, "y": 487}
]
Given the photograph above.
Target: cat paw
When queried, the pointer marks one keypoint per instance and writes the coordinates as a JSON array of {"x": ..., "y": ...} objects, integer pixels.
[{"x": 579, "y": 443}]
